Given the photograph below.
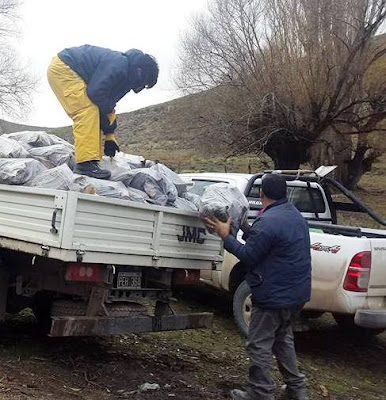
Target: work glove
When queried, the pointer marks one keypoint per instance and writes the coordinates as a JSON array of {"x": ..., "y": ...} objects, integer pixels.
[{"x": 111, "y": 146}]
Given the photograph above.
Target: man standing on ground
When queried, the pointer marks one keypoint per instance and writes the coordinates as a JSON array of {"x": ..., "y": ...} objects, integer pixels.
[
  {"x": 88, "y": 82},
  {"x": 277, "y": 256}
]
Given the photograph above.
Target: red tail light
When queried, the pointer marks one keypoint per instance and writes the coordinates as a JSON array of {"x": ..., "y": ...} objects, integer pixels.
[
  {"x": 358, "y": 273},
  {"x": 79, "y": 272}
]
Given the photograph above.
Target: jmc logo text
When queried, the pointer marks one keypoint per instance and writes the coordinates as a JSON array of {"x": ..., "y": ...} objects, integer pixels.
[{"x": 192, "y": 235}]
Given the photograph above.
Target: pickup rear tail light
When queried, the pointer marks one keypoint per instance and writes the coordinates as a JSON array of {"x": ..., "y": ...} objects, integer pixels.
[
  {"x": 358, "y": 273},
  {"x": 79, "y": 272}
]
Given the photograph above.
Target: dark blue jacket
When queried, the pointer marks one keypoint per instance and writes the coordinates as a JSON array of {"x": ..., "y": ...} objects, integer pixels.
[
  {"x": 277, "y": 256},
  {"x": 109, "y": 75}
]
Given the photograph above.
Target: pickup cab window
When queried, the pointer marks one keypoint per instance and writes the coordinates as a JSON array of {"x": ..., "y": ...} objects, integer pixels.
[
  {"x": 304, "y": 199},
  {"x": 200, "y": 185}
]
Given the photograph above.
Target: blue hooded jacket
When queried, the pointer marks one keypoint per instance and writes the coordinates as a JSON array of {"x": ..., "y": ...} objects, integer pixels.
[
  {"x": 277, "y": 257},
  {"x": 108, "y": 74}
]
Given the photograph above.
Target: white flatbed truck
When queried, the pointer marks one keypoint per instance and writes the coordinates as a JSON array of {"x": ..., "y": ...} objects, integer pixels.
[{"x": 87, "y": 264}]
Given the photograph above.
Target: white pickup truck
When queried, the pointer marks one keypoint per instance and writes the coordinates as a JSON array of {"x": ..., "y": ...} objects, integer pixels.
[
  {"x": 348, "y": 264},
  {"x": 87, "y": 264}
]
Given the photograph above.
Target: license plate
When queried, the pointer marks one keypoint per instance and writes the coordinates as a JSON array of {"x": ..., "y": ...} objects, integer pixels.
[{"x": 129, "y": 280}]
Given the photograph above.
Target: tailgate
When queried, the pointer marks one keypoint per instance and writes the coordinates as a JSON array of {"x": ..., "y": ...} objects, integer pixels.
[{"x": 377, "y": 285}]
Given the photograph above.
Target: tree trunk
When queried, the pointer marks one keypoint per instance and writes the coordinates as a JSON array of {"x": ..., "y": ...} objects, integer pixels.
[
  {"x": 285, "y": 151},
  {"x": 361, "y": 163},
  {"x": 333, "y": 149}
]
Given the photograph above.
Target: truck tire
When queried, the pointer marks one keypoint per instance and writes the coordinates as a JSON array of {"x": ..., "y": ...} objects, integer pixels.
[
  {"x": 347, "y": 324},
  {"x": 79, "y": 308},
  {"x": 242, "y": 307}
]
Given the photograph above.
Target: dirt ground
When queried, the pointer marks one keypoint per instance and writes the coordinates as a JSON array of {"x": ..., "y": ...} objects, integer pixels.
[{"x": 201, "y": 364}]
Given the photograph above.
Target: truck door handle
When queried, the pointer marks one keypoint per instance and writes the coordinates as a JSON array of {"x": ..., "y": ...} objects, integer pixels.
[{"x": 53, "y": 229}]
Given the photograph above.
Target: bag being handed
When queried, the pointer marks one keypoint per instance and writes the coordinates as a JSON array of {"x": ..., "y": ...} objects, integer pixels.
[{"x": 222, "y": 200}]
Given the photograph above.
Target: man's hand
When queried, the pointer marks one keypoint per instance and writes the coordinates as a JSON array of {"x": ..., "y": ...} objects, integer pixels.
[
  {"x": 215, "y": 225},
  {"x": 111, "y": 147}
]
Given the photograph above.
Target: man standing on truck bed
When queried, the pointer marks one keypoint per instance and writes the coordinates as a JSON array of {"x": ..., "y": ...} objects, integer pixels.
[
  {"x": 277, "y": 256},
  {"x": 88, "y": 82}
]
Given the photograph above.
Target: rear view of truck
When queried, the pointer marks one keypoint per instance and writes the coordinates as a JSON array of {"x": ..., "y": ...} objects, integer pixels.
[
  {"x": 88, "y": 265},
  {"x": 349, "y": 278}
]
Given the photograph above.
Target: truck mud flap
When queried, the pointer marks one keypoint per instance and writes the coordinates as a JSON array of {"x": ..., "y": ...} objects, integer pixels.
[{"x": 103, "y": 326}]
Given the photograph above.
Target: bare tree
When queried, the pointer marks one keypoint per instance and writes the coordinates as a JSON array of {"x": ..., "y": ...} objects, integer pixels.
[
  {"x": 16, "y": 83},
  {"x": 291, "y": 75}
]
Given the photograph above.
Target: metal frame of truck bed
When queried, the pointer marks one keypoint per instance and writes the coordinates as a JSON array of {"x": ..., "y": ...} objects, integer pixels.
[{"x": 76, "y": 227}]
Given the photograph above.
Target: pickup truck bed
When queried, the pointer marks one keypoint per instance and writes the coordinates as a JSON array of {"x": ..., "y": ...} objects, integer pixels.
[{"x": 76, "y": 227}]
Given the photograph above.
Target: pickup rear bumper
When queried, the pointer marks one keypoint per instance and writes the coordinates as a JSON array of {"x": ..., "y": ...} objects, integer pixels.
[{"x": 374, "y": 319}]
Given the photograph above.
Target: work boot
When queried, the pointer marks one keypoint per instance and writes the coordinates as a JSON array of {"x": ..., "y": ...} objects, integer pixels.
[
  {"x": 238, "y": 394},
  {"x": 290, "y": 394},
  {"x": 92, "y": 169}
]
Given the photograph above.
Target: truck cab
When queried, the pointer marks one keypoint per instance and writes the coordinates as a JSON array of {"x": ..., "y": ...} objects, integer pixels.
[{"x": 306, "y": 194}]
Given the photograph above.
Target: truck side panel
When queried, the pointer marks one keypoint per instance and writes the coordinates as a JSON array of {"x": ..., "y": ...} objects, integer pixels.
[
  {"x": 111, "y": 228},
  {"x": 72, "y": 226}
]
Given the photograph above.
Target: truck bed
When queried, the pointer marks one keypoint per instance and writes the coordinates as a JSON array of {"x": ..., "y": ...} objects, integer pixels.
[{"x": 71, "y": 227}]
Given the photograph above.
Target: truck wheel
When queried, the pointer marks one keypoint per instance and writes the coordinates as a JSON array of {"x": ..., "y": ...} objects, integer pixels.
[
  {"x": 242, "y": 307},
  {"x": 347, "y": 324}
]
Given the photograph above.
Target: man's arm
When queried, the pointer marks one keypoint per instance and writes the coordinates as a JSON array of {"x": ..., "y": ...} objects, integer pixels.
[
  {"x": 108, "y": 123},
  {"x": 107, "y": 76},
  {"x": 257, "y": 246}
]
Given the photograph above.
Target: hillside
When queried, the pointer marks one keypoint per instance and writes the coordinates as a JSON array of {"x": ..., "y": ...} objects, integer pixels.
[
  {"x": 9, "y": 127},
  {"x": 162, "y": 122}
]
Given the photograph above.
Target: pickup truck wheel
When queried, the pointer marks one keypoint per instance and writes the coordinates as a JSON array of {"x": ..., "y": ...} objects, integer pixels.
[
  {"x": 242, "y": 307},
  {"x": 346, "y": 323}
]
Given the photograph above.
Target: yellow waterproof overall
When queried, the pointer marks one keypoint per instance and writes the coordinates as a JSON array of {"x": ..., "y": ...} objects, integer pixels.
[{"x": 70, "y": 89}]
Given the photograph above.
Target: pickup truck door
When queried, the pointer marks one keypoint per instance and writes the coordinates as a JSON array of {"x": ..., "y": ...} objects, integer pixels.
[{"x": 377, "y": 283}]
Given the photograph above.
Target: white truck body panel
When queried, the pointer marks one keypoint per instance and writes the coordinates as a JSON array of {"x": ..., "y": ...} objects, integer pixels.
[{"x": 103, "y": 230}]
